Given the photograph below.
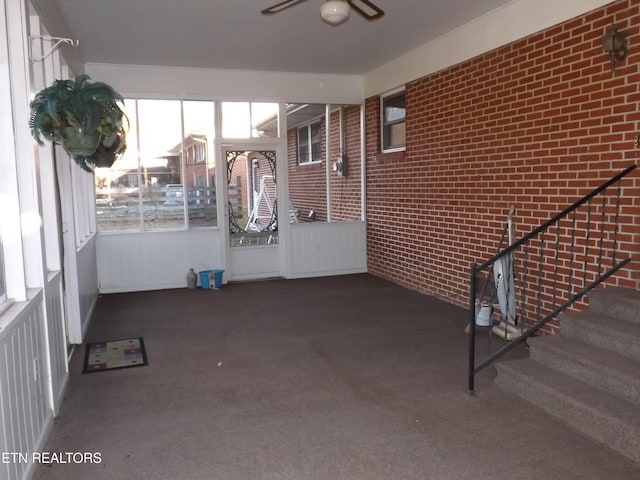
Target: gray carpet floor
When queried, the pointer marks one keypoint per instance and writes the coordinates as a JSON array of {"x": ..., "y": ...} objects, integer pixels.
[{"x": 332, "y": 378}]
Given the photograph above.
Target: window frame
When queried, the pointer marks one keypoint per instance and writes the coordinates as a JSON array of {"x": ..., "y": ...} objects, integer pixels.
[
  {"x": 3, "y": 277},
  {"x": 386, "y": 125},
  {"x": 312, "y": 156},
  {"x": 200, "y": 153}
]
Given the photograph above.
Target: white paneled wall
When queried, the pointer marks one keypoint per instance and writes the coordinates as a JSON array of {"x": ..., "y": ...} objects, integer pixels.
[
  {"x": 59, "y": 371},
  {"x": 251, "y": 263},
  {"x": 87, "y": 274},
  {"x": 318, "y": 249},
  {"x": 137, "y": 261},
  {"x": 25, "y": 416}
]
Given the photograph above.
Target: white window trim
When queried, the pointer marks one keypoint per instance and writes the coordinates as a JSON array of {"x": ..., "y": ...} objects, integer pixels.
[
  {"x": 382, "y": 98},
  {"x": 3, "y": 292},
  {"x": 307, "y": 126},
  {"x": 206, "y": 158}
]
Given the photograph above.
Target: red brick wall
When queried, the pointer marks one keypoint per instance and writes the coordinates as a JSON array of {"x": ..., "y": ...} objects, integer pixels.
[
  {"x": 307, "y": 183},
  {"x": 536, "y": 124},
  {"x": 345, "y": 190},
  {"x": 238, "y": 177}
]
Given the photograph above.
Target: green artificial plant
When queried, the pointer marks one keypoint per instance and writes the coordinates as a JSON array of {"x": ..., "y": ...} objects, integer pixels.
[{"x": 85, "y": 117}]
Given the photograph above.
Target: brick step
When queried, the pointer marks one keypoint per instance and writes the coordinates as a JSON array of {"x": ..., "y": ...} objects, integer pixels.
[
  {"x": 603, "y": 417},
  {"x": 618, "y": 302},
  {"x": 600, "y": 368},
  {"x": 620, "y": 336}
]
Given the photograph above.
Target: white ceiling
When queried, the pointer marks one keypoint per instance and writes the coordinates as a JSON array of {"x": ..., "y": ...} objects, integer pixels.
[{"x": 232, "y": 34}]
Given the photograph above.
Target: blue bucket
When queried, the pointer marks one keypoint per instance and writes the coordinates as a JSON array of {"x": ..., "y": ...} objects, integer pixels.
[
  {"x": 204, "y": 278},
  {"x": 218, "y": 278},
  {"x": 209, "y": 276}
]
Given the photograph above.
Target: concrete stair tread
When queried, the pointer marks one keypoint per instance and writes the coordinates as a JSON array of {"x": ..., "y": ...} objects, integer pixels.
[
  {"x": 620, "y": 336},
  {"x": 591, "y": 355},
  {"x": 603, "y": 322},
  {"x": 599, "y": 367},
  {"x": 594, "y": 399},
  {"x": 618, "y": 302},
  {"x": 605, "y": 418},
  {"x": 588, "y": 376}
]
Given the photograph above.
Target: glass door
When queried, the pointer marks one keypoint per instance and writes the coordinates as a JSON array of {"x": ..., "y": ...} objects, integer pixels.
[{"x": 252, "y": 214}]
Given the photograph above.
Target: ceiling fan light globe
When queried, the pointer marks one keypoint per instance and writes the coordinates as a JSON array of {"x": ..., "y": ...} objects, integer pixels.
[{"x": 335, "y": 12}]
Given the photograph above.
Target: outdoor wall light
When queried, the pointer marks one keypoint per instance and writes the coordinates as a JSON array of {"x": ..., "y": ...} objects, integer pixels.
[{"x": 615, "y": 44}]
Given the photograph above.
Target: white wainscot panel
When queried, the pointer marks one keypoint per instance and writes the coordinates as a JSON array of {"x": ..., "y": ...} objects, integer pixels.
[
  {"x": 57, "y": 340},
  {"x": 87, "y": 281},
  {"x": 25, "y": 416},
  {"x": 251, "y": 263},
  {"x": 320, "y": 249},
  {"x": 138, "y": 261}
]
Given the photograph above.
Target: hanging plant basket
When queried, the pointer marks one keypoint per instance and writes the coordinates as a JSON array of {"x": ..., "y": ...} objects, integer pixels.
[
  {"x": 85, "y": 117},
  {"x": 103, "y": 157},
  {"x": 76, "y": 141}
]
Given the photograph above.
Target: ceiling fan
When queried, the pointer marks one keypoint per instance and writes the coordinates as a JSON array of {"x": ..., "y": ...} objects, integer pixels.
[{"x": 334, "y": 12}]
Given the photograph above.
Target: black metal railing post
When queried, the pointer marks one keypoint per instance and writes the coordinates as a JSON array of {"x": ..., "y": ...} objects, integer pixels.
[{"x": 472, "y": 329}]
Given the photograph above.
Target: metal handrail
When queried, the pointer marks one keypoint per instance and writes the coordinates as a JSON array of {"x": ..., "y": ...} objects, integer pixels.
[
  {"x": 555, "y": 219},
  {"x": 557, "y": 309}
]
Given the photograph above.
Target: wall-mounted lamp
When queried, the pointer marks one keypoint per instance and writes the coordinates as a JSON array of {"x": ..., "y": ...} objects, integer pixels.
[{"x": 615, "y": 44}]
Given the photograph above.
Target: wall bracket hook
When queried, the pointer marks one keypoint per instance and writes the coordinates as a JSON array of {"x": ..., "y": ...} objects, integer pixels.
[{"x": 58, "y": 42}]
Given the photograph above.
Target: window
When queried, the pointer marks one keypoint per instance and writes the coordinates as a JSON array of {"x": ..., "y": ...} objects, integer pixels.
[
  {"x": 200, "y": 153},
  {"x": 165, "y": 179},
  {"x": 310, "y": 143},
  {"x": 84, "y": 213},
  {"x": 393, "y": 121},
  {"x": 249, "y": 120},
  {"x": 3, "y": 285},
  {"x": 318, "y": 193}
]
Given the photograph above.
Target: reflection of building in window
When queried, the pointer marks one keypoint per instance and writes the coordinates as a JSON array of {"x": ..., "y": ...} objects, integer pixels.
[
  {"x": 168, "y": 167},
  {"x": 307, "y": 182},
  {"x": 195, "y": 147},
  {"x": 393, "y": 121},
  {"x": 263, "y": 199},
  {"x": 236, "y": 187},
  {"x": 263, "y": 210},
  {"x": 130, "y": 180}
]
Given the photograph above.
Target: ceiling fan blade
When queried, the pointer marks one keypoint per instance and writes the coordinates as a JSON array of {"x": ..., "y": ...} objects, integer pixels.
[
  {"x": 367, "y": 9},
  {"x": 280, "y": 6}
]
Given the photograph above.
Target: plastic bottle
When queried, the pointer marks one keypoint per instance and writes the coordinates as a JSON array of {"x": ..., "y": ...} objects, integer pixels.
[{"x": 192, "y": 279}]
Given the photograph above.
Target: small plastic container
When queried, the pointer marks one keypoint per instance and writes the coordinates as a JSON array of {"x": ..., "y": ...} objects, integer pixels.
[
  {"x": 204, "y": 278},
  {"x": 216, "y": 276},
  {"x": 483, "y": 318},
  {"x": 211, "y": 279}
]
